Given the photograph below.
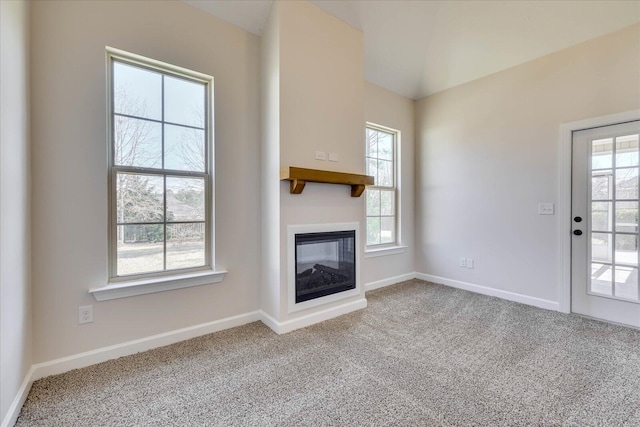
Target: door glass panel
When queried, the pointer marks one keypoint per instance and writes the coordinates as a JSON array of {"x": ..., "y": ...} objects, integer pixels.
[
  {"x": 601, "y": 279},
  {"x": 627, "y": 183},
  {"x": 601, "y": 217},
  {"x": 601, "y": 153},
  {"x": 601, "y": 186},
  {"x": 627, "y": 217},
  {"x": 627, "y": 249},
  {"x": 626, "y": 282},
  {"x": 601, "y": 247},
  {"x": 627, "y": 150}
]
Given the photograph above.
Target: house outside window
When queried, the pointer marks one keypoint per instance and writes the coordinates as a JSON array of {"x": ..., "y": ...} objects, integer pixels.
[
  {"x": 160, "y": 168},
  {"x": 382, "y": 198}
]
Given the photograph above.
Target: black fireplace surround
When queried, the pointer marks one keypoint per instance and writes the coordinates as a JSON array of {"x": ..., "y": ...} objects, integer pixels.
[{"x": 325, "y": 264}]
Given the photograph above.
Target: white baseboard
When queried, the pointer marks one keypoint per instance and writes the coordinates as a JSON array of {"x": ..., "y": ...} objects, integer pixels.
[
  {"x": 484, "y": 290},
  {"x": 99, "y": 355},
  {"x": 311, "y": 319},
  {"x": 390, "y": 281},
  {"x": 14, "y": 410}
]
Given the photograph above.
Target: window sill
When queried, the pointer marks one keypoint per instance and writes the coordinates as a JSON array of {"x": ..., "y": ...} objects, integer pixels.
[
  {"x": 389, "y": 250},
  {"x": 148, "y": 286}
]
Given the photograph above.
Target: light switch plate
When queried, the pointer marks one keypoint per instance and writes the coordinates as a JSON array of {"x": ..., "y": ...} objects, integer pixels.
[
  {"x": 546, "y": 209},
  {"x": 333, "y": 157},
  {"x": 321, "y": 155}
]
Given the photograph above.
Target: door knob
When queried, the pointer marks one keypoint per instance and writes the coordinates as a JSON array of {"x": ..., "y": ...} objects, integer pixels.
[
  {"x": 577, "y": 219},
  {"x": 577, "y": 232}
]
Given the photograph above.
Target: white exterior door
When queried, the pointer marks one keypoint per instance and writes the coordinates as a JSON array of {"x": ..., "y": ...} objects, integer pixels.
[{"x": 604, "y": 219}]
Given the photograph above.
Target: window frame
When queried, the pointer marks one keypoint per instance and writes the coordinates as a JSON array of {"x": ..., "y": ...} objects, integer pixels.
[
  {"x": 395, "y": 246},
  {"x": 116, "y": 55}
]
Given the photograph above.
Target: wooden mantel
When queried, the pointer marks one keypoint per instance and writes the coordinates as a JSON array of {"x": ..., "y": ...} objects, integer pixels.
[{"x": 300, "y": 176}]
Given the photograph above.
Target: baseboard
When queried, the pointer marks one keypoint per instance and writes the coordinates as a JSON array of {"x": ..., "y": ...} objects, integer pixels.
[
  {"x": 484, "y": 290},
  {"x": 311, "y": 319},
  {"x": 14, "y": 410},
  {"x": 390, "y": 281},
  {"x": 92, "y": 357}
]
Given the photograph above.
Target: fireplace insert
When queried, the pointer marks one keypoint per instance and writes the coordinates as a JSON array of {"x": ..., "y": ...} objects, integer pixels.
[{"x": 325, "y": 264}]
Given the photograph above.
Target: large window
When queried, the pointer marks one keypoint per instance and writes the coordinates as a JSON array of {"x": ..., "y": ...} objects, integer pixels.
[
  {"x": 159, "y": 168},
  {"x": 382, "y": 198}
]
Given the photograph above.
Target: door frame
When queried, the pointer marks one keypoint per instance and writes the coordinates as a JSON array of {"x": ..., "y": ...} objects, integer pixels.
[{"x": 564, "y": 204}]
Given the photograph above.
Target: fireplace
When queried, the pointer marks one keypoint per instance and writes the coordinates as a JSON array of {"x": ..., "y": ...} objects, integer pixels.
[
  {"x": 322, "y": 264},
  {"x": 325, "y": 264}
]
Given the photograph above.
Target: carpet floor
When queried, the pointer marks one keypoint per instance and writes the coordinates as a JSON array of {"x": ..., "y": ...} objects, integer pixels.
[{"x": 420, "y": 354}]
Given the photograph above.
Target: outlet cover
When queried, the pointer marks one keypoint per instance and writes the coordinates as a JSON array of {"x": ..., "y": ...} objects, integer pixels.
[
  {"x": 334, "y": 157},
  {"x": 321, "y": 155},
  {"x": 546, "y": 209},
  {"x": 469, "y": 262},
  {"x": 462, "y": 262},
  {"x": 85, "y": 314}
]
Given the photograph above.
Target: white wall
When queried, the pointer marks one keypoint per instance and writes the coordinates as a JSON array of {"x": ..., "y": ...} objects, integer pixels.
[
  {"x": 389, "y": 109},
  {"x": 70, "y": 167},
  {"x": 488, "y": 153},
  {"x": 15, "y": 256}
]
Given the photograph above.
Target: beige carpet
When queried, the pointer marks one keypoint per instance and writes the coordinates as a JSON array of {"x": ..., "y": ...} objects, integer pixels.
[{"x": 420, "y": 354}]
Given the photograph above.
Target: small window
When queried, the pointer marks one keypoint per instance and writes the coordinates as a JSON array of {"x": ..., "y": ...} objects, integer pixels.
[
  {"x": 160, "y": 177},
  {"x": 382, "y": 198}
]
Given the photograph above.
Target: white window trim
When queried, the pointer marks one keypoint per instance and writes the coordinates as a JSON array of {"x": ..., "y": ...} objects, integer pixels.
[
  {"x": 122, "y": 287},
  {"x": 394, "y": 248}
]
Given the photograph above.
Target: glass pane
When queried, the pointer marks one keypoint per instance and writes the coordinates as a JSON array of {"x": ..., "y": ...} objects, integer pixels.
[
  {"x": 627, "y": 249},
  {"x": 140, "y": 249},
  {"x": 137, "y": 142},
  {"x": 388, "y": 202},
  {"x": 601, "y": 186},
  {"x": 385, "y": 146},
  {"x": 137, "y": 91},
  {"x": 627, "y": 150},
  {"x": 627, "y": 183},
  {"x": 627, "y": 216},
  {"x": 626, "y": 282},
  {"x": 373, "y": 202},
  {"x": 385, "y": 173},
  {"x": 601, "y": 279},
  {"x": 373, "y": 231},
  {"x": 185, "y": 199},
  {"x": 185, "y": 245},
  {"x": 372, "y": 169},
  {"x": 184, "y": 149},
  {"x": 372, "y": 143},
  {"x": 601, "y": 247},
  {"x": 184, "y": 102},
  {"x": 387, "y": 229},
  {"x": 601, "y": 153},
  {"x": 139, "y": 198},
  {"x": 601, "y": 218}
]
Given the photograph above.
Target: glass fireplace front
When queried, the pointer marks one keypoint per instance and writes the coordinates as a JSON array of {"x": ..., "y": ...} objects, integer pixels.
[{"x": 325, "y": 264}]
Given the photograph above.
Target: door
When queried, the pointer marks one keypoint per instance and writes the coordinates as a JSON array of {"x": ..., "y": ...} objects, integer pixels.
[{"x": 604, "y": 218}]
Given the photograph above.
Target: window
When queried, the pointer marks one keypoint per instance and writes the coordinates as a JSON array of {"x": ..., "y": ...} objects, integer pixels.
[
  {"x": 382, "y": 198},
  {"x": 160, "y": 161}
]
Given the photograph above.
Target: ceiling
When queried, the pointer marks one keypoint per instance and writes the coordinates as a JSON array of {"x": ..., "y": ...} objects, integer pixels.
[{"x": 417, "y": 48}]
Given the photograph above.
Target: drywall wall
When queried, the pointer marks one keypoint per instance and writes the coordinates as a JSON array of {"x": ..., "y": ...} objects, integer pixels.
[
  {"x": 70, "y": 167},
  {"x": 385, "y": 108},
  {"x": 488, "y": 153},
  {"x": 15, "y": 256},
  {"x": 321, "y": 109},
  {"x": 270, "y": 164}
]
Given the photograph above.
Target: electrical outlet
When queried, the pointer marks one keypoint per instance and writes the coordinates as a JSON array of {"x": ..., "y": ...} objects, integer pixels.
[
  {"x": 334, "y": 157},
  {"x": 469, "y": 262},
  {"x": 462, "y": 262},
  {"x": 546, "y": 209},
  {"x": 321, "y": 155},
  {"x": 85, "y": 314}
]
